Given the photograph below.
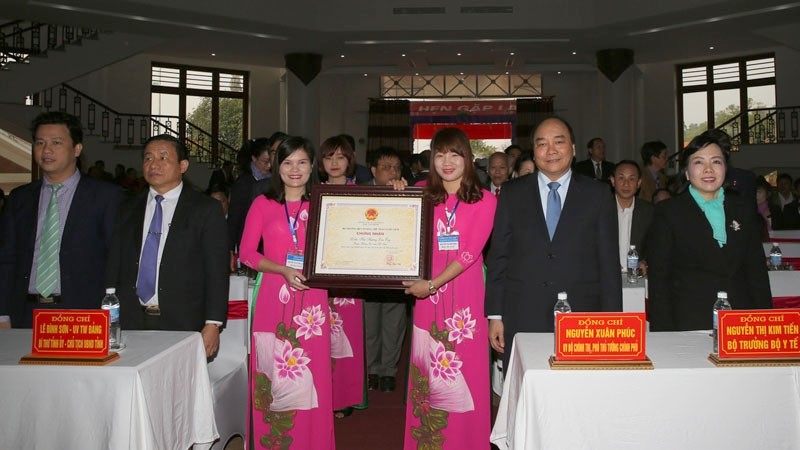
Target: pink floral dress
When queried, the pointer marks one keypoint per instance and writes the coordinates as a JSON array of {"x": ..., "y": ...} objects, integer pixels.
[
  {"x": 290, "y": 362},
  {"x": 448, "y": 388}
]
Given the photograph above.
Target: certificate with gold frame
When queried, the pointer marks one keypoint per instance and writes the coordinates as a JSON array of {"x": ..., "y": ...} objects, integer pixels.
[{"x": 367, "y": 237}]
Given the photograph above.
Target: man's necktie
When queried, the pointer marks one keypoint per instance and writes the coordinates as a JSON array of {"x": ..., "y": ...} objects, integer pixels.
[
  {"x": 148, "y": 266},
  {"x": 496, "y": 191},
  {"x": 598, "y": 172},
  {"x": 47, "y": 270},
  {"x": 553, "y": 208}
]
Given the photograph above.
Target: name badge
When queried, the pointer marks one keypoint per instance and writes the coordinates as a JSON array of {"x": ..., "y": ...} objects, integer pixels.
[
  {"x": 447, "y": 241},
  {"x": 294, "y": 260}
]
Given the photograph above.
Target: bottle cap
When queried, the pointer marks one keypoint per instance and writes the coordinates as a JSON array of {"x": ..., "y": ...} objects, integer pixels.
[
  {"x": 633, "y": 247},
  {"x": 562, "y": 295},
  {"x": 722, "y": 294},
  {"x": 111, "y": 290},
  {"x": 774, "y": 244}
]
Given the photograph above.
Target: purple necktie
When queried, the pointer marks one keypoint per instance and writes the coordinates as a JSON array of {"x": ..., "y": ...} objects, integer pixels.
[{"x": 148, "y": 265}]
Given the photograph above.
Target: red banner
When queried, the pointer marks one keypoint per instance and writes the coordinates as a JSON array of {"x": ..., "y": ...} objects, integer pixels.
[
  {"x": 70, "y": 332},
  {"x": 453, "y": 108},
  {"x": 472, "y": 130},
  {"x": 601, "y": 336},
  {"x": 759, "y": 333}
]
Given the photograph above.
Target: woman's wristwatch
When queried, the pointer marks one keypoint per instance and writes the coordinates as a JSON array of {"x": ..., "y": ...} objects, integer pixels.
[{"x": 431, "y": 288}]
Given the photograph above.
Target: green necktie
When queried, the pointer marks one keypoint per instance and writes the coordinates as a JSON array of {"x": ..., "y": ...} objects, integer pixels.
[{"x": 47, "y": 266}]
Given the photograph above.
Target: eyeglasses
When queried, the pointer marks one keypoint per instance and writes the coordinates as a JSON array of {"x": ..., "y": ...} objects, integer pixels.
[{"x": 387, "y": 167}]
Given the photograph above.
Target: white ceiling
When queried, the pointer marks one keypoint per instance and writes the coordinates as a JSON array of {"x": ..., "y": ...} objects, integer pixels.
[{"x": 542, "y": 35}]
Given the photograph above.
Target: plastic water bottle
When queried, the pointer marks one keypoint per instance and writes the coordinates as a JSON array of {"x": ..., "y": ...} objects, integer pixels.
[
  {"x": 633, "y": 265},
  {"x": 720, "y": 304},
  {"x": 111, "y": 303},
  {"x": 775, "y": 257},
  {"x": 562, "y": 306}
]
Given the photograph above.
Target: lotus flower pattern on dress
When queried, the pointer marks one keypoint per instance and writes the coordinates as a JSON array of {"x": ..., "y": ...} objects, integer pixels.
[
  {"x": 309, "y": 322},
  {"x": 291, "y": 362},
  {"x": 460, "y": 326}
]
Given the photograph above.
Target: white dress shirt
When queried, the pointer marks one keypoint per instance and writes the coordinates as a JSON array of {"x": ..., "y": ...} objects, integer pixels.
[
  {"x": 168, "y": 209},
  {"x": 625, "y": 220}
]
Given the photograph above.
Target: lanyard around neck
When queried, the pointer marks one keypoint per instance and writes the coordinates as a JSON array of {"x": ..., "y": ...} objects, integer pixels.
[{"x": 293, "y": 228}]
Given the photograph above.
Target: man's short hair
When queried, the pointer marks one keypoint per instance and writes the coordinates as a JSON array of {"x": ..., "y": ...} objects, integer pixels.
[
  {"x": 629, "y": 162},
  {"x": 651, "y": 149},
  {"x": 380, "y": 153},
  {"x": 72, "y": 123},
  {"x": 560, "y": 119},
  {"x": 512, "y": 147},
  {"x": 591, "y": 142},
  {"x": 784, "y": 176},
  {"x": 177, "y": 143}
]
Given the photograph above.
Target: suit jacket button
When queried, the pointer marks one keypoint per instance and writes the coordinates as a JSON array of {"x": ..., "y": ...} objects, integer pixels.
[{"x": 551, "y": 256}]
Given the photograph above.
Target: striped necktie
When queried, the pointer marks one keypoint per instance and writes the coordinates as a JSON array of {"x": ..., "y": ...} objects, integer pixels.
[{"x": 47, "y": 270}]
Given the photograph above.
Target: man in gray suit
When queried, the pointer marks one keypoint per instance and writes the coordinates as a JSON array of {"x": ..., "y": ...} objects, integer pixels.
[
  {"x": 553, "y": 232},
  {"x": 633, "y": 214}
]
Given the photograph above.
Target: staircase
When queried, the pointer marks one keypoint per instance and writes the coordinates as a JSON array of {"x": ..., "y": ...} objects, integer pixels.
[
  {"x": 34, "y": 56},
  {"x": 764, "y": 126},
  {"x": 131, "y": 130}
]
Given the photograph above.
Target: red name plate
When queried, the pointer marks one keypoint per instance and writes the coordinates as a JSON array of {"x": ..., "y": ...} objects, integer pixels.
[
  {"x": 759, "y": 333},
  {"x": 70, "y": 332},
  {"x": 600, "y": 336}
]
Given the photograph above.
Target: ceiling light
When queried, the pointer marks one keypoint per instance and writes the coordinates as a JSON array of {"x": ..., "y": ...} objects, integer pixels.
[
  {"x": 102, "y": 12},
  {"x": 403, "y": 55},
  {"x": 511, "y": 54},
  {"x": 365, "y": 75},
  {"x": 711, "y": 48},
  {"x": 506, "y": 73},
  {"x": 461, "y": 73},
  {"x": 752, "y": 12},
  {"x": 458, "y": 54},
  {"x": 559, "y": 72},
  {"x": 213, "y": 54},
  {"x": 341, "y": 56},
  {"x": 574, "y": 53},
  {"x": 454, "y": 41}
]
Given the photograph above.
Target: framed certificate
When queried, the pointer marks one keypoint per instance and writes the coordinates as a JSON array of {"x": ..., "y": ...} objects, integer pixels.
[{"x": 367, "y": 237}]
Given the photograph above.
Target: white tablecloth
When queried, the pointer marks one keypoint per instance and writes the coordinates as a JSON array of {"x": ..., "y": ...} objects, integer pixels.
[
  {"x": 785, "y": 234},
  {"x": 784, "y": 283},
  {"x": 685, "y": 403},
  {"x": 156, "y": 396},
  {"x": 633, "y": 295}
]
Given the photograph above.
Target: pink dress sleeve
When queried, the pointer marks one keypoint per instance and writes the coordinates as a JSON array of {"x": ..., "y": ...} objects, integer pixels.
[
  {"x": 475, "y": 235},
  {"x": 251, "y": 236}
]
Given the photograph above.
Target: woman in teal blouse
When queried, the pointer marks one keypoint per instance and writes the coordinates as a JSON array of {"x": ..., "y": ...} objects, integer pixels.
[{"x": 703, "y": 241}]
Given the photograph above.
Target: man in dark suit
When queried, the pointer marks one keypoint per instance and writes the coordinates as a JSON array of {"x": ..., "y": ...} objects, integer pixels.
[
  {"x": 596, "y": 166},
  {"x": 553, "y": 232},
  {"x": 56, "y": 230},
  {"x": 385, "y": 312},
  {"x": 169, "y": 254},
  {"x": 634, "y": 215}
]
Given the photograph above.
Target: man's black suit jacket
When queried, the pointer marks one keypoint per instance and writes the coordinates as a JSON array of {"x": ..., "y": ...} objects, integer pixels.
[
  {"x": 193, "y": 274},
  {"x": 526, "y": 270},
  {"x": 687, "y": 267},
  {"x": 586, "y": 168},
  {"x": 82, "y": 254}
]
